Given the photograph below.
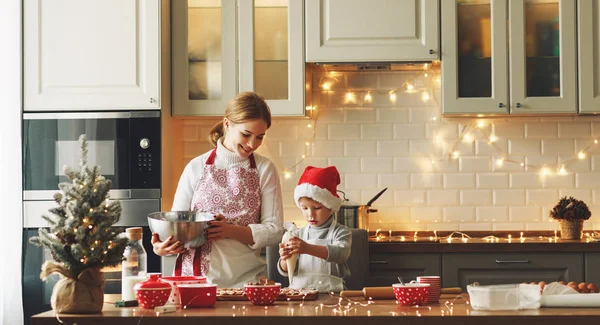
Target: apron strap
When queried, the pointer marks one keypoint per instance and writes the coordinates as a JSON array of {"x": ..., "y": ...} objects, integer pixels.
[
  {"x": 177, "y": 271},
  {"x": 211, "y": 157},
  {"x": 198, "y": 260},
  {"x": 252, "y": 161}
]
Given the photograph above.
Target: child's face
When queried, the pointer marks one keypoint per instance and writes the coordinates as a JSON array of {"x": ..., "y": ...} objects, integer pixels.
[{"x": 315, "y": 213}]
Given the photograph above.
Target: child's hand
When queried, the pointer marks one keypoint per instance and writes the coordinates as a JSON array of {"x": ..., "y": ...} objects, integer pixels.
[
  {"x": 294, "y": 245},
  {"x": 167, "y": 247}
]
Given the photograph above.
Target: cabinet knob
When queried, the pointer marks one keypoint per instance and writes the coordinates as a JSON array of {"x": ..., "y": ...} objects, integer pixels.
[
  {"x": 519, "y": 105},
  {"x": 152, "y": 100},
  {"x": 431, "y": 51},
  {"x": 500, "y": 105}
]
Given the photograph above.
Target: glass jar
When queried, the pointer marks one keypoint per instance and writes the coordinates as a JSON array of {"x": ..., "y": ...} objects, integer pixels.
[{"x": 135, "y": 265}]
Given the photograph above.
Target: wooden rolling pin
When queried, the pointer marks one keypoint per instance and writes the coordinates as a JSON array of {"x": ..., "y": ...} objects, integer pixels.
[{"x": 387, "y": 292}]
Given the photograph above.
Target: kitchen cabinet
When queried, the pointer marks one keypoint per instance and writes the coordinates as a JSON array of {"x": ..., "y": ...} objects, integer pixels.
[
  {"x": 509, "y": 57},
  {"x": 91, "y": 55},
  {"x": 221, "y": 48},
  {"x": 384, "y": 268},
  {"x": 588, "y": 15},
  {"x": 592, "y": 268},
  {"x": 459, "y": 270},
  {"x": 368, "y": 31}
]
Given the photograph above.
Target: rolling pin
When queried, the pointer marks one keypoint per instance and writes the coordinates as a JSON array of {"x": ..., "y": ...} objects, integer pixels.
[{"x": 386, "y": 292}]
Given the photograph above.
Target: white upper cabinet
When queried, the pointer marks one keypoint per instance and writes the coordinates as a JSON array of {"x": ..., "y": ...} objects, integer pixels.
[
  {"x": 213, "y": 60},
  {"x": 91, "y": 55},
  {"x": 529, "y": 70},
  {"x": 589, "y": 57},
  {"x": 374, "y": 30}
]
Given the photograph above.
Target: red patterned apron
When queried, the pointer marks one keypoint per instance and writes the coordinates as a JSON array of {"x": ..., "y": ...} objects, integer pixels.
[{"x": 234, "y": 193}]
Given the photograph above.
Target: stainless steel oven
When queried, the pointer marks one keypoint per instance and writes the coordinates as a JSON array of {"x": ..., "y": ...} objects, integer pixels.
[{"x": 126, "y": 145}]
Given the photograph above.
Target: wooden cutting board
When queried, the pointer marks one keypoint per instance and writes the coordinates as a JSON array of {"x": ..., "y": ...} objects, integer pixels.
[{"x": 281, "y": 297}]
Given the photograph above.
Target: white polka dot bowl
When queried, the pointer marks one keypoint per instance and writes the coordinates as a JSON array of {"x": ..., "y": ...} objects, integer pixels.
[
  {"x": 176, "y": 281},
  {"x": 410, "y": 294},
  {"x": 152, "y": 292},
  {"x": 262, "y": 294}
]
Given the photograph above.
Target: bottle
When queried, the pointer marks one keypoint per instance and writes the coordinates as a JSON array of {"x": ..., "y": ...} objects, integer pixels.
[{"x": 134, "y": 266}]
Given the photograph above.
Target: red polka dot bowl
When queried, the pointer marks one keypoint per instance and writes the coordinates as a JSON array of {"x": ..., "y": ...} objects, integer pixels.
[
  {"x": 262, "y": 294},
  {"x": 198, "y": 295},
  {"x": 410, "y": 294},
  {"x": 152, "y": 293},
  {"x": 176, "y": 281}
]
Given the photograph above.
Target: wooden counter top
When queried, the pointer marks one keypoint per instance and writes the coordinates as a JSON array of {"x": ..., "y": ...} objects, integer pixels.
[{"x": 325, "y": 311}]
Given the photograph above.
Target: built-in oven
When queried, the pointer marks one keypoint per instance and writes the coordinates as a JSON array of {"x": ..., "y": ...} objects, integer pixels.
[{"x": 126, "y": 146}]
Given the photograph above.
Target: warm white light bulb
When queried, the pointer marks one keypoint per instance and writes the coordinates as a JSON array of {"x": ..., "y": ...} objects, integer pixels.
[
  {"x": 309, "y": 125},
  {"x": 596, "y": 141},
  {"x": 581, "y": 155},
  {"x": 350, "y": 97},
  {"x": 425, "y": 96},
  {"x": 522, "y": 164},
  {"x": 468, "y": 137},
  {"x": 409, "y": 87},
  {"x": 455, "y": 154},
  {"x": 562, "y": 170},
  {"x": 368, "y": 97},
  {"x": 544, "y": 171},
  {"x": 393, "y": 97},
  {"x": 493, "y": 138},
  {"x": 480, "y": 124},
  {"x": 499, "y": 162},
  {"x": 326, "y": 86},
  {"x": 287, "y": 175}
]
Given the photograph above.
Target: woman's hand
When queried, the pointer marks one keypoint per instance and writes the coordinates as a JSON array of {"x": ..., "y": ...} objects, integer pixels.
[
  {"x": 167, "y": 247},
  {"x": 220, "y": 229}
]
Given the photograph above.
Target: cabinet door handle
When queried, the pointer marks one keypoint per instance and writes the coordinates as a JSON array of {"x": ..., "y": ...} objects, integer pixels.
[
  {"x": 500, "y": 105},
  {"x": 519, "y": 105},
  {"x": 512, "y": 262},
  {"x": 431, "y": 51},
  {"x": 378, "y": 262}
]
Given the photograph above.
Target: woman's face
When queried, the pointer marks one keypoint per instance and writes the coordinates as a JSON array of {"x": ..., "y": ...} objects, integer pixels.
[
  {"x": 244, "y": 138},
  {"x": 316, "y": 214}
]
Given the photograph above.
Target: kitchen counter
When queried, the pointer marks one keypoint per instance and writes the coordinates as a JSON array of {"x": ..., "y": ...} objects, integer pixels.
[
  {"x": 472, "y": 247},
  {"x": 325, "y": 311}
]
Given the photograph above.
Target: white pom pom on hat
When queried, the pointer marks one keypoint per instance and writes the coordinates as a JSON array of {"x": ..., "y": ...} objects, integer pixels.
[{"x": 320, "y": 184}]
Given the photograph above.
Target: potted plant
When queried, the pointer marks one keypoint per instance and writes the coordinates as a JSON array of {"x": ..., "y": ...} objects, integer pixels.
[{"x": 570, "y": 213}]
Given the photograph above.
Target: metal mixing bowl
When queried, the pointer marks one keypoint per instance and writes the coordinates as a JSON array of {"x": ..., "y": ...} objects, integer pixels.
[{"x": 185, "y": 226}]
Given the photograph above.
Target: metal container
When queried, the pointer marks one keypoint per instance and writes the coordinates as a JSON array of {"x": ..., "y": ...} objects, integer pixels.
[
  {"x": 356, "y": 215},
  {"x": 187, "y": 227}
]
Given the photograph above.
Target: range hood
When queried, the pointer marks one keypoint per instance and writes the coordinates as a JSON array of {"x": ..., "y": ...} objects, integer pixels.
[{"x": 375, "y": 66}]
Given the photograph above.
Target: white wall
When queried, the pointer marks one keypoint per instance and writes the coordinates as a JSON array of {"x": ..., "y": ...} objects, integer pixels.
[{"x": 381, "y": 144}]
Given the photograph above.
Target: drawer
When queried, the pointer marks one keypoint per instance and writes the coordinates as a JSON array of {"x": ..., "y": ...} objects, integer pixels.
[{"x": 384, "y": 268}]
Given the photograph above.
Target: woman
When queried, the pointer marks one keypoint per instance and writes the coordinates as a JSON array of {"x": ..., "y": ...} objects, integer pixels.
[{"x": 242, "y": 188}]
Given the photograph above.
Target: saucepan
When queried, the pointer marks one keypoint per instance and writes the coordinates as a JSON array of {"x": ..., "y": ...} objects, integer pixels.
[{"x": 356, "y": 215}]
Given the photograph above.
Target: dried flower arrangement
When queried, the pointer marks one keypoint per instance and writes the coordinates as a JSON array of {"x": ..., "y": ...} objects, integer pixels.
[{"x": 570, "y": 209}]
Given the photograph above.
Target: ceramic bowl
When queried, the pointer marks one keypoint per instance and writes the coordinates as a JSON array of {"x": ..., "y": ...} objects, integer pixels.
[
  {"x": 262, "y": 294},
  {"x": 410, "y": 294},
  {"x": 176, "y": 281},
  {"x": 198, "y": 295}
]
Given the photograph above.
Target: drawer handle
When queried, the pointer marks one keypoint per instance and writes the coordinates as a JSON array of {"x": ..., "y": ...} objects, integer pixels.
[
  {"x": 378, "y": 262},
  {"x": 511, "y": 262}
]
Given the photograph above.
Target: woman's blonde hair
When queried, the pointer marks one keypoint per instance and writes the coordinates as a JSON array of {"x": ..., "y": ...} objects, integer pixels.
[{"x": 242, "y": 108}]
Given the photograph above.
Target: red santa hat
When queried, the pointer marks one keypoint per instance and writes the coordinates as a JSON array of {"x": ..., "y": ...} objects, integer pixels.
[{"x": 319, "y": 184}]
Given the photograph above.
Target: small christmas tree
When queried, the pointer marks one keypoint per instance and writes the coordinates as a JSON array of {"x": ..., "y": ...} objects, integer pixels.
[{"x": 81, "y": 234}]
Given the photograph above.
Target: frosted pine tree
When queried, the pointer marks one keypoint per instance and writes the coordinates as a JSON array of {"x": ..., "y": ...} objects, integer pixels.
[{"x": 81, "y": 235}]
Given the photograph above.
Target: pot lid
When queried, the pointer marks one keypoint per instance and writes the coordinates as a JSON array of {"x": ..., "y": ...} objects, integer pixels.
[{"x": 152, "y": 283}]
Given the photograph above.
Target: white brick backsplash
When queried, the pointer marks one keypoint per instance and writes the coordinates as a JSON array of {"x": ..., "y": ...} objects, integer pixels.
[
  {"x": 386, "y": 199},
  {"x": 345, "y": 164},
  {"x": 558, "y": 146},
  {"x": 362, "y": 81},
  {"x": 360, "y": 181},
  {"x": 509, "y": 164},
  {"x": 541, "y": 130},
  {"x": 525, "y": 180},
  {"x": 392, "y": 148},
  {"x": 595, "y": 161},
  {"x": 292, "y": 148},
  {"x": 282, "y": 132},
  {"x": 344, "y": 132},
  {"x": 410, "y": 198},
  {"x": 540, "y": 226},
  {"x": 288, "y": 198},
  {"x": 475, "y": 197},
  {"x": 578, "y": 165},
  {"x": 583, "y": 144},
  {"x": 339, "y": 98},
  {"x": 421, "y": 115},
  {"x": 361, "y": 115},
  {"x": 595, "y": 198},
  {"x": 560, "y": 181},
  {"x": 377, "y": 164},
  {"x": 475, "y": 164},
  {"x": 397, "y": 214},
  {"x": 443, "y": 197},
  {"x": 517, "y": 227},
  {"x": 360, "y": 148},
  {"x": 475, "y": 227},
  {"x": 524, "y": 147},
  {"x": 509, "y": 197},
  {"x": 331, "y": 115},
  {"x": 446, "y": 166},
  {"x": 509, "y": 130},
  {"x": 442, "y": 131},
  {"x": 595, "y": 129},
  {"x": 525, "y": 214},
  {"x": 541, "y": 197},
  {"x": 412, "y": 165},
  {"x": 574, "y": 130},
  {"x": 492, "y": 180},
  {"x": 492, "y": 214},
  {"x": 326, "y": 148},
  {"x": 533, "y": 163},
  {"x": 587, "y": 180},
  {"x": 392, "y": 115},
  {"x": 394, "y": 181},
  {"x": 425, "y": 214},
  {"x": 376, "y": 131},
  {"x": 466, "y": 148},
  {"x": 484, "y": 148},
  {"x": 446, "y": 226},
  {"x": 459, "y": 181},
  {"x": 425, "y": 181},
  {"x": 459, "y": 214},
  {"x": 418, "y": 147},
  {"x": 411, "y": 227},
  {"x": 583, "y": 195},
  {"x": 409, "y": 131},
  {"x": 312, "y": 161}
]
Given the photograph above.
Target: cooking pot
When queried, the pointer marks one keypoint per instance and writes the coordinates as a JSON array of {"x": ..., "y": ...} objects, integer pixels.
[{"x": 356, "y": 215}]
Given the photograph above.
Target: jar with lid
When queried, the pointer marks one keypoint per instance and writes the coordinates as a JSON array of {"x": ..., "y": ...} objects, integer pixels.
[{"x": 134, "y": 263}]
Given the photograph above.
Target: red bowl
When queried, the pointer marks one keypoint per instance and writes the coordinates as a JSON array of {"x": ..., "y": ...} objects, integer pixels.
[
  {"x": 176, "y": 281},
  {"x": 198, "y": 295},
  {"x": 410, "y": 294},
  {"x": 262, "y": 294},
  {"x": 150, "y": 298}
]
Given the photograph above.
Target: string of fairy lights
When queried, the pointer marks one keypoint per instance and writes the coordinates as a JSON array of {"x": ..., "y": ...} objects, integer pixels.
[{"x": 427, "y": 82}]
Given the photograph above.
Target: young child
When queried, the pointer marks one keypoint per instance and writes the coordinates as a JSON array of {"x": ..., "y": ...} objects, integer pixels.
[{"x": 323, "y": 246}]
